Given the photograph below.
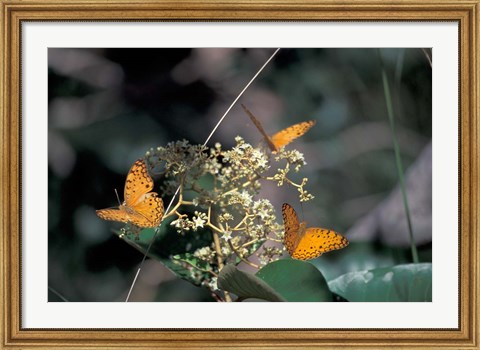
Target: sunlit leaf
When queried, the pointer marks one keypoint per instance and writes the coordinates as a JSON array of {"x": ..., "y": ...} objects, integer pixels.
[{"x": 407, "y": 283}]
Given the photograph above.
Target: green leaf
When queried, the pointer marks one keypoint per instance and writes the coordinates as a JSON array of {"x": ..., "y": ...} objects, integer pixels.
[
  {"x": 406, "y": 283},
  {"x": 169, "y": 243},
  {"x": 246, "y": 285},
  {"x": 296, "y": 280},
  {"x": 360, "y": 256},
  {"x": 192, "y": 260}
]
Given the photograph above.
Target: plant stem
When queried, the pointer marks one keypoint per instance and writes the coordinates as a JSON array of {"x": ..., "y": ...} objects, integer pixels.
[
  {"x": 246, "y": 261},
  {"x": 398, "y": 160},
  {"x": 209, "y": 221},
  {"x": 218, "y": 250}
]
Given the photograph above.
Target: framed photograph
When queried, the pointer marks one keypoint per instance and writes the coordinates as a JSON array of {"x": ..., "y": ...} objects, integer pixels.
[{"x": 248, "y": 175}]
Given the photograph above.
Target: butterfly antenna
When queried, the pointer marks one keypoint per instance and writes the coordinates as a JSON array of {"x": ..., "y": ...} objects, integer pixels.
[
  {"x": 204, "y": 144},
  {"x": 118, "y": 198}
]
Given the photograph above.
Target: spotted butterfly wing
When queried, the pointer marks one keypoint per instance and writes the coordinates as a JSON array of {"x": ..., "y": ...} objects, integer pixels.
[
  {"x": 148, "y": 212},
  {"x": 304, "y": 243},
  {"x": 283, "y": 137},
  {"x": 113, "y": 214},
  {"x": 141, "y": 207},
  {"x": 137, "y": 184}
]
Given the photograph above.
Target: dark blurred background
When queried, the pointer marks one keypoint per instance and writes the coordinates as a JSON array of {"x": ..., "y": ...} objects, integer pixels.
[{"x": 107, "y": 107}]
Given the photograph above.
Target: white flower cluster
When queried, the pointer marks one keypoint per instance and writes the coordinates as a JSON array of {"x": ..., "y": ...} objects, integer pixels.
[
  {"x": 210, "y": 283},
  {"x": 293, "y": 157},
  {"x": 304, "y": 194},
  {"x": 223, "y": 185},
  {"x": 243, "y": 198},
  {"x": 270, "y": 254},
  {"x": 243, "y": 163},
  {"x": 183, "y": 223},
  {"x": 205, "y": 254}
]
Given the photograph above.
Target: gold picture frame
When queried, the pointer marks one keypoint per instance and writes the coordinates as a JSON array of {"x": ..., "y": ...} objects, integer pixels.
[{"x": 15, "y": 12}]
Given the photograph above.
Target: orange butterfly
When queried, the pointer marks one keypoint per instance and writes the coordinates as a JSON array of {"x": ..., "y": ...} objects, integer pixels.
[
  {"x": 283, "y": 137},
  {"x": 305, "y": 243},
  {"x": 141, "y": 207}
]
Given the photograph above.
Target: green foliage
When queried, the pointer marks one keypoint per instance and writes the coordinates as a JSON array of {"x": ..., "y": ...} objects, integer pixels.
[
  {"x": 246, "y": 285},
  {"x": 296, "y": 280},
  {"x": 293, "y": 280},
  {"x": 175, "y": 251},
  {"x": 282, "y": 280},
  {"x": 402, "y": 283},
  {"x": 361, "y": 256}
]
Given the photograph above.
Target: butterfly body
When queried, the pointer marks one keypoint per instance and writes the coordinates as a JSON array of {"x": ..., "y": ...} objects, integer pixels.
[
  {"x": 140, "y": 207},
  {"x": 305, "y": 243},
  {"x": 283, "y": 137},
  {"x": 302, "y": 230}
]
